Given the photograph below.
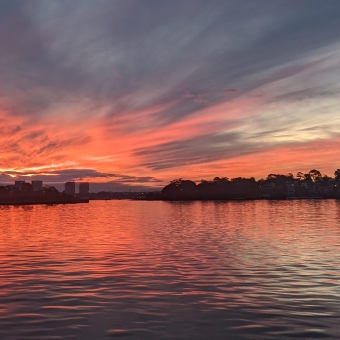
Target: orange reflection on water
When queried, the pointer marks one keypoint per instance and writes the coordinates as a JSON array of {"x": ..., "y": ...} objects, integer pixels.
[{"x": 69, "y": 269}]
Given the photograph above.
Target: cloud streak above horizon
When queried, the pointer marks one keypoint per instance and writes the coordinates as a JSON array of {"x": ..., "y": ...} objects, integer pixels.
[{"x": 158, "y": 90}]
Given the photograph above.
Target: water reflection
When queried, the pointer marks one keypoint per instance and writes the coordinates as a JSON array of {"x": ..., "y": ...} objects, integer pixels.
[{"x": 163, "y": 270}]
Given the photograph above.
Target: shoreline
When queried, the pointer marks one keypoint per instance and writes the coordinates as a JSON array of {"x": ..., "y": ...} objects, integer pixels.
[
  {"x": 47, "y": 202},
  {"x": 250, "y": 199},
  {"x": 79, "y": 201}
]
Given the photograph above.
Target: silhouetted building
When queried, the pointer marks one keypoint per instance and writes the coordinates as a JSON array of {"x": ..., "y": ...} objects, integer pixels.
[
  {"x": 290, "y": 188},
  {"x": 84, "y": 189},
  {"x": 70, "y": 188},
  {"x": 19, "y": 184},
  {"x": 12, "y": 190},
  {"x": 37, "y": 185},
  {"x": 267, "y": 190},
  {"x": 310, "y": 186}
]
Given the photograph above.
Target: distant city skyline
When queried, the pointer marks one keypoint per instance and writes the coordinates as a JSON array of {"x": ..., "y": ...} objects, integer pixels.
[
  {"x": 70, "y": 187},
  {"x": 129, "y": 95}
]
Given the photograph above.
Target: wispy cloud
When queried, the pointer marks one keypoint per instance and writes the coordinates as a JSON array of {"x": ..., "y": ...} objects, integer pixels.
[
  {"x": 229, "y": 90},
  {"x": 160, "y": 89}
]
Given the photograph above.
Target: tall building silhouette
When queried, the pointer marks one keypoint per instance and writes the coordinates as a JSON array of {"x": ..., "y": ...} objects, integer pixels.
[
  {"x": 70, "y": 188},
  {"x": 37, "y": 185},
  {"x": 19, "y": 184},
  {"x": 84, "y": 189}
]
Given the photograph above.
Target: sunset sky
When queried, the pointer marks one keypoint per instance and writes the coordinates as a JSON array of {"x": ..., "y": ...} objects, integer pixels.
[{"x": 132, "y": 94}]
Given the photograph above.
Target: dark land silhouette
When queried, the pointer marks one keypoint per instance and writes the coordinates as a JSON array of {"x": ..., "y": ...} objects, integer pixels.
[
  {"x": 276, "y": 186},
  {"x": 130, "y": 195},
  {"x": 24, "y": 193}
]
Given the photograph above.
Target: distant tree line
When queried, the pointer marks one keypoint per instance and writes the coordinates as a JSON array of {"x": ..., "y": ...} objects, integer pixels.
[
  {"x": 275, "y": 186},
  {"x": 130, "y": 195}
]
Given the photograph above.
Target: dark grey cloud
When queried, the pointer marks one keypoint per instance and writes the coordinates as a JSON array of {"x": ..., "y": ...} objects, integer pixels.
[
  {"x": 201, "y": 149},
  {"x": 122, "y": 187},
  {"x": 308, "y": 93},
  {"x": 116, "y": 182},
  {"x": 133, "y": 54}
]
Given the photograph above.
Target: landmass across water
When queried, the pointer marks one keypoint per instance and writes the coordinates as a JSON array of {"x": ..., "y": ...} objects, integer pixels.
[
  {"x": 23, "y": 193},
  {"x": 311, "y": 185},
  {"x": 276, "y": 186}
]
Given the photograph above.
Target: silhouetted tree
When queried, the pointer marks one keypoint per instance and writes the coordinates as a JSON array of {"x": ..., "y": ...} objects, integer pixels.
[
  {"x": 325, "y": 179},
  {"x": 176, "y": 181},
  {"x": 179, "y": 189},
  {"x": 300, "y": 176},
  {"x": 51, "y": 192},
  {"x": 274, "y": 186},
  {"x": 279, "y": 179},
  {"x": 337, "y": 174},
  {"x": 315, "y": 175},
  {"x": 245, "y": 187},
  {"x": 307, "y": 177}
]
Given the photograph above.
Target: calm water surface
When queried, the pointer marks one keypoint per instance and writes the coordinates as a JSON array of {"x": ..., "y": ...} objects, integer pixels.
[{"x": 162, "y": 270}]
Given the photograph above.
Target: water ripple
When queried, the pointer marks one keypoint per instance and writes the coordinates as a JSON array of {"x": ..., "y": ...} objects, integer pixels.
[{"x": 161, "y": 270}]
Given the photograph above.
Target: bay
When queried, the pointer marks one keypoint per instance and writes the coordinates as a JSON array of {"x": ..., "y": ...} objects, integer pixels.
[{"x": 171, "y": 270}]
